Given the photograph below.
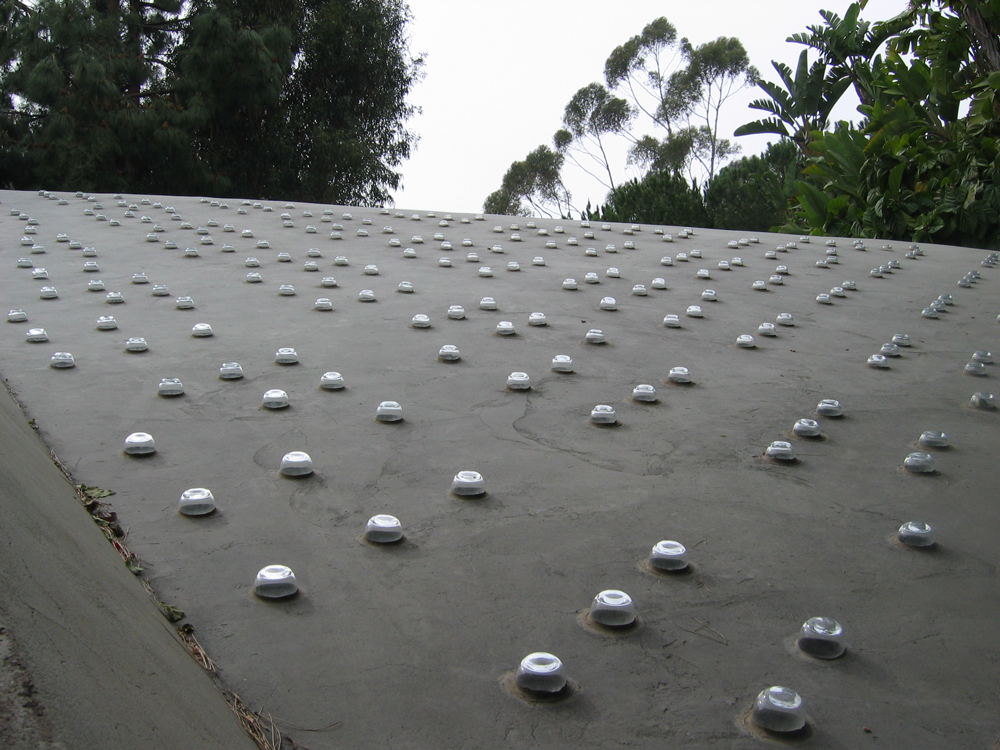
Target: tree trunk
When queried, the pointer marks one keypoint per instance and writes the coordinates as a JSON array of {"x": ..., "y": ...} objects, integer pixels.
[{"x": 986, "y": 40}]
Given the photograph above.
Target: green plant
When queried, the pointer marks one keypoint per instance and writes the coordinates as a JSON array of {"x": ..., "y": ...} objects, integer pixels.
[
  {"x": 752, "y": 193},
  {"x": 916, "y": 167},
  {"x": 801, "y": 104},
  {"x": 533, "y": 184},
  {"x": 300, "y": 99},
  {"x": 659, "y": 198}
]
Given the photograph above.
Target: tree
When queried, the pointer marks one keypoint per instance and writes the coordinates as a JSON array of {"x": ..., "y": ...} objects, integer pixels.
[
  {"x": 299, "y": 99},
  {"x": 681, "y": 89},
  {"x": 960, "y": 41},
  {"x": 345, "y": 102},
  {"x": 657, "y": 85},
  {"x": 662, "y": 80},
  {"x": 671, "y": 154},
  {"x": 718, "y": 69},
  {"x": 78, "y": 73},
  {"x": 533, "y": 184},
  {"x": 231, "y": 77},
  {"x": 504, "y": 203},
  {"x": 590, "y": 116},
  {"x": 659, "y": 198},
  {"x": 653, "y": 70},
  {"x": 752, "y": 194}
]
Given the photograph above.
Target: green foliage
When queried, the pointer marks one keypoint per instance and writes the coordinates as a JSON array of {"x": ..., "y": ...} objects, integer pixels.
[
  {"x": 659, "y": 198},
  {"x": 893, "y": 181},
  {"x": 590, "y": 115},
  {"x": 752, "y": 194},
  {"x": 300, "y": 99},
  {"x": 504, "y": 203},
  {"x": 631, "y": 58},
  {"x": 593, "y": 111},
  {"x": 346, "y": 102},
  {"x": 850, "y": 46},
  {"x": 802, "y": 103},
  {"x": 722, "y": 58},
  {"x": 915, "y": 168},
  {"x": 532, "y": 184},
  {"x": 671, "y": 154},
  {"x": 719, "y": 69},
  {"x": 959, "y": 40},
  {"x": 682, "y": 95},
  {"x": 664, "y": 80}
]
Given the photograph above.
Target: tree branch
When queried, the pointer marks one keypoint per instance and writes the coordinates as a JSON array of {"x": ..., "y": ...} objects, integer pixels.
[
  {"x": 573, "y": 159},
  {"x": 150, "y": 94}
]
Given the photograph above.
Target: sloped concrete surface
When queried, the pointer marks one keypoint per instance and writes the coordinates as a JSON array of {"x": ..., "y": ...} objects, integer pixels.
[
  {"x": 87, "y": 660},
  {"x": 407, "y": 646}
]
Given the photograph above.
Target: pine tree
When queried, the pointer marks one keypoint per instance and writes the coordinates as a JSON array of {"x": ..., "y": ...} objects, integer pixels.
[{"x": 297, "y": 99}]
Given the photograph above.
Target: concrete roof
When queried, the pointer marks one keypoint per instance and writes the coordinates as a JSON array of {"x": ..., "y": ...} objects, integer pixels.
[{"x": 406, "y": 646}]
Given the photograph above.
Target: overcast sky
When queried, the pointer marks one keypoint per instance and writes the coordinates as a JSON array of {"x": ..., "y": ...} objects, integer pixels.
[{"x": 498, "y": 75}]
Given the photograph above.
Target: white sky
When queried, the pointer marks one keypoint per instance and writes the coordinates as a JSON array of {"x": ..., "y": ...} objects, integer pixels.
[{"x": 498, "y": 75}]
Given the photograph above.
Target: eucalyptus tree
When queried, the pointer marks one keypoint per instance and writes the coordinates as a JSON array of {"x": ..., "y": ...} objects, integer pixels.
[
  {"x": 656, "y": 80},
  {"x": 719, "y": 69},
  {"x": 681, "y": 89},
  {"x": 652, "y": 70},
  {"x": 591, "y": 116},
  {"x": 651, "y": 67},
  {"x": 533, "y": 184}
]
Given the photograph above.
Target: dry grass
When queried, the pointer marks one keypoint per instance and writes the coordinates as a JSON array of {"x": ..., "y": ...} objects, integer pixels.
[
  {"x": 194, "y": 648},
  {"x": 265, "y": 735}
]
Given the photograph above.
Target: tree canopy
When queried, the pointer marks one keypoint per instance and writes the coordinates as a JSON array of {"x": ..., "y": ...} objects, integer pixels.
[
  {"x": 655, "y": 79},
  {"x": 300, "y": 99},
  {"x": 680, "y": 88},
  {"x": 749, "y": 194},
  {"x": 532, "y": 184}
]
